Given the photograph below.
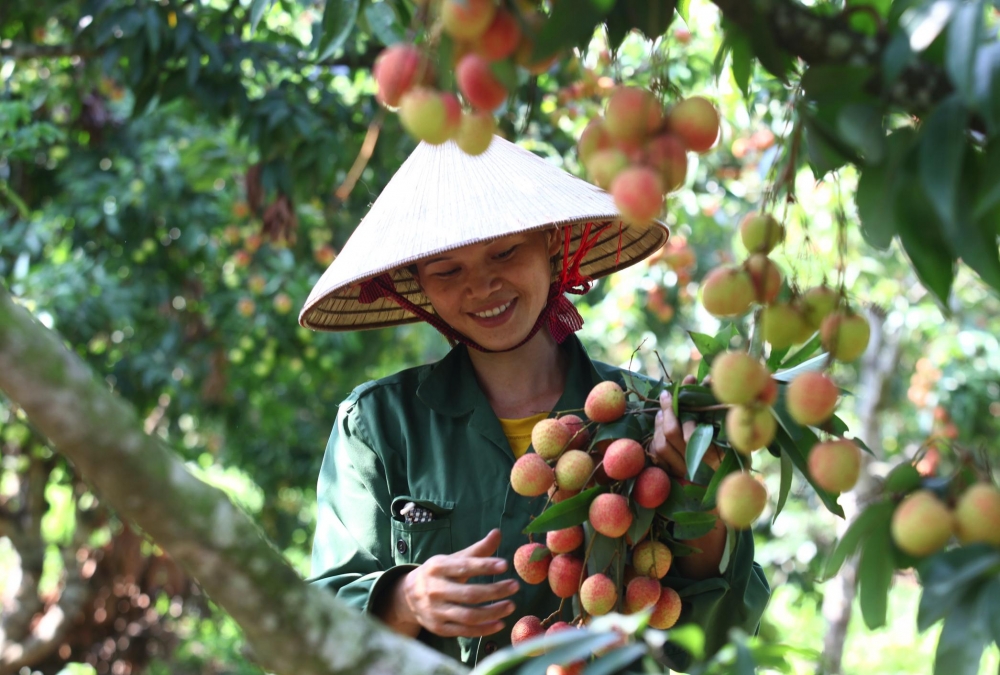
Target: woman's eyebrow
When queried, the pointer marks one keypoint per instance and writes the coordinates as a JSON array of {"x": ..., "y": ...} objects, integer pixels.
[{"x": 440, "y": 258}]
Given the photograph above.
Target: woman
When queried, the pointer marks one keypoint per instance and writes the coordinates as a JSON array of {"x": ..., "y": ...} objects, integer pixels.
[{"x": 417, "y": 523}]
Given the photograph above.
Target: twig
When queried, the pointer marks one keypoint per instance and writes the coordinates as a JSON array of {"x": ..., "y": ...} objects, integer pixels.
[{"x": 361, "y": 161}]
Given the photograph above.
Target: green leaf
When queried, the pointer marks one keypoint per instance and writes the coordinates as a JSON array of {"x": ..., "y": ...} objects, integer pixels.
[
  {"x": 963, "y": 638},
  {"x": 626, "y": 427},
  {"x": 964, "y": 33},
  {"x": 875, "y": 569},
  {"x": 742, "y": 60},
  {"x": 694, "y": 396},
  {"x": 875, "y": 518},
  {"x": 988, "y": 197},
  {"x": 903, "y": 478},
  {"x": 823, "y": 155},
  {"x": 835, "y": 85},
  {"x": 539, "y": 554},
  {"x": 691, "y": 637},
  {"x": 775, "y": 357},
  {"x": 692, "y": 524},
  {"x": 678, "y": 500},
  {"x": 923, "y": 241},
  {"x": 927, "y": 21},
  {"x": 729, "y": 464},
  {"x": 803, "y": 354},
  {"x": 569, "y": 25},
  {"x": 708, "y": 345},
  {"x": 614, "y": 661},
  {"x": 569, "y": 653},
  {"x": 567, "y": 513},
  {"x": 815, "y": 364},
  {"x": 744, "y": 663},
  {"x": 987, "y": 85},
  {"x": 860, "y": 125},
  {"x": 152, "y": 23},
  {"x": 940, "y": 154},
  {"x": 895, "y": 58},
  {"x": 786, "y": 484},
  {"x": 602, "y": 552},
  {"x": 257, "y": 10},
  {"x": 975, "y": 242},
  {"x": 505, "y": 659},
  {"x": 697, "y": 446},
  {"x": 949, "y": 576},
  {"x": 640, "y": 522},
  {"x": 339, "y": 17},
  {"x": 991, "y": 599},
  {"x": 384, "y": 23}
]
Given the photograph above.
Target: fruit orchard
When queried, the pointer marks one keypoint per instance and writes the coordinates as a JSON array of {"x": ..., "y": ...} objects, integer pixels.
[{"x": 174, "y": 176}]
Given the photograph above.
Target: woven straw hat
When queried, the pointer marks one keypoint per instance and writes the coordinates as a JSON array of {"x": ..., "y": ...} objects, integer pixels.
[{"x": 441, "y": 199}]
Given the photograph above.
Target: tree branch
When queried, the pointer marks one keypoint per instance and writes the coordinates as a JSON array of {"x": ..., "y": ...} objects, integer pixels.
[
  {"x": 291, "y": 627},
  {"x": 830, "y": 40}
]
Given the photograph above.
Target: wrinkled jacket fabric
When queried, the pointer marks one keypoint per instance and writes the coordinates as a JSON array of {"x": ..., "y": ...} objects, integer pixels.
[{"x": 428, "y": 435}]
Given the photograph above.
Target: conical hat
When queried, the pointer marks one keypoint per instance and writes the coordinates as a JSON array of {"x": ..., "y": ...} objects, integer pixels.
[{"x": 441, "y": 199}]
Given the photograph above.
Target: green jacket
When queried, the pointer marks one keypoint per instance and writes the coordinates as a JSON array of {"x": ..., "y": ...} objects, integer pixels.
[{"x": 429, "y": 435}]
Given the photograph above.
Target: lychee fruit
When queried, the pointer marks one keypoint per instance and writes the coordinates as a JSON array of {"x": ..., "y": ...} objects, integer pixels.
[
  {"x": 738, "y": 378},
  {"x": 423, "y": 114},
  {"x": 564, "y": 575},
  {"x": 475, "y": 132},
  {"x": 559, "y": 626},
  {"x": 632, "y": 114},
  {"x": 727, "y": 291},
  {"x": 566, "y": 540},
  {"x": 977, "y": 515},
  {"x": 604, "y": 166},
  {"x": 624, "y": 459},
  {"x": 835, "y": 465},
  {"x": 696, "y": 121},
  {"x": 769, "y": 394},
  {"x": 811, "y": 398},
  {"x": 573, "y": 469},
  {"x": 500, "y": 38},
  {"x": 817, "y": 304},
  {"x": 750, "y": 428},
  {"x": 921, "y": 524},
  {"x": 605, "y": 403},
  {"x": 782, "y": 325},
  {"x": 638, "y": 193},
  {"x": 594, "y": 138},
  {"x": 578, "y": 431},
  {"x": 765, "y": 278},
  {"x": 761, "y": 232},
  {"x": 652, "y": 487},
  {"x": 598, "y": 595},
  {"x": 845, "y": 335},
  {"x": 527, "y": 627},
  {"x": 666, "y": 153},
  {"x": 397, "y": 69},
  {"x": 741, "y": 499},
  {"x": 549, "y": 438},
  {"x": 467, "y": 19},
  {"x": 478, "y": 84},
  {"x": 652, "y": 559},
  {"x": 667, "y": 609},
  {"x": 562, "y": 495},
  {"x": 609, "y": 514},
  {"x": 531, "y": 572},
  {"x": 641, "y": 592},
  {"x": 531, "y": 476}
]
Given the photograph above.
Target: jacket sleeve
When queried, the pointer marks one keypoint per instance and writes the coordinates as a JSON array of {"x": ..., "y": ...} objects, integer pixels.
[
  {"x": 734, "y": 600},
  {"x": 351, "y": 553}
]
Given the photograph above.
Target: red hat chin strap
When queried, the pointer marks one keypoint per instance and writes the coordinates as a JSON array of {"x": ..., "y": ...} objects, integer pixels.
[{"x": 559, "y": 315}]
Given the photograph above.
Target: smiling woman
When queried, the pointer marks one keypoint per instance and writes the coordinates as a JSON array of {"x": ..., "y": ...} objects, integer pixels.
[{"x": 414, "y": 498}]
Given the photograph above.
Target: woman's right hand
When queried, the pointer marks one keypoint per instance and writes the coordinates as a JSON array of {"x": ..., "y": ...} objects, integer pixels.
[{"x": 437, "y": 597}]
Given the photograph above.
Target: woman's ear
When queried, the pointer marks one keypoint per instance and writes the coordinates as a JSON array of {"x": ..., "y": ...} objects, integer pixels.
[{"x": 554, "y": 241}]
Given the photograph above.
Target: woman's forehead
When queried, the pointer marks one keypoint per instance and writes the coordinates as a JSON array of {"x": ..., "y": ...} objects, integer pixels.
[{"x": 472, "y": 249}]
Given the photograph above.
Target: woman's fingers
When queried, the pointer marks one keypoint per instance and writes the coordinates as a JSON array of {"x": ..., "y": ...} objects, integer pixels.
[
  {"x": 461, "y": 566},
  {"x": 472, "y": 594},
  {"x": 475, "y": 616},
  {"x": 666, "y": 435}
]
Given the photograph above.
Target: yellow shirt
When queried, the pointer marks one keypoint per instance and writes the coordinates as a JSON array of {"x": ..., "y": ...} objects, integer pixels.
[{"x": 518, "y": 432}]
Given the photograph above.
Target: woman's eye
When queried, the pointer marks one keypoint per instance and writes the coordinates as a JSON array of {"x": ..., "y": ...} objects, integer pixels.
[
  {"x": 506, "y": 254},
  {"x": 446, "y": 274}
]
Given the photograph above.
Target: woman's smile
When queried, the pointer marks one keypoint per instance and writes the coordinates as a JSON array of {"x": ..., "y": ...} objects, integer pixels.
[{"x": 495, "y": 316}]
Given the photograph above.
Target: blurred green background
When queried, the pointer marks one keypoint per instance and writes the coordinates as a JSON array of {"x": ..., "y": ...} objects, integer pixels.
[{"x": 170, "y": 190}]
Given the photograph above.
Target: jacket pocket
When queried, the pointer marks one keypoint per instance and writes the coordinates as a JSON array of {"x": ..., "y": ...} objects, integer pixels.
[{"x": 416, "y": 542}]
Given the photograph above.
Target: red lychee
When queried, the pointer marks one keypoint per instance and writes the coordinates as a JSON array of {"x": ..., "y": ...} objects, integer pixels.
[
  {"x": 624, "y": 459},
  {"x": 835, "y": 465},
  {"x": 500, "y": 38},
  {"x": 921, "y": 524},
  {"x": 559, "y": 626},
  {"x": 573, "y": 469},
  {"x": 652, "y": 559},
  {"x": 527, "y": 627},
  {"x": 738, "y": 378},
  {"x": 397, "y": 69},
  {"x": 467, "y": 19},
  {"x": 977, "y": 515},
  {"x": 765, "y": 278},
  {"x": 638, "y": 193},
  {"x": 549, "y": 438},
  {"x": 478, "y": 84},
  {"x": 811, "y": 398},
  {"x": 741, "y": 499},
  {"x": 610, "y": 515},
  {"x": 531, "y": 476},
  {"x": 598, "y": 595},
  {"x": 531, "y": 572},
  {"x": 566, "y": 540},
  {"x": 667, "y": 609},
  {"x": 666, "y": 153},
  {"x": 564, "y": 575},
  {"x": 632, "y": 114},
  {"x": 578, "y": 431},
  {"x": 696, "y": 121},
  {"x": 605, "y": 403},
  {"x": 641, "y": 592},
  {"x": 425, "y": 115},
  {"x": 727, "y": 291},
  {"x": 652, "y": 487}
]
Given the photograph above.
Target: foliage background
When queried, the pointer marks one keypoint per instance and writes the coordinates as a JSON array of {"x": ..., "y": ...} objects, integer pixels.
[{"x": 172, "y": 183}]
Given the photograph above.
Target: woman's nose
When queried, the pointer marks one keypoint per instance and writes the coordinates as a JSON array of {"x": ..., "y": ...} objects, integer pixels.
[{"x": 483, "y": 282}]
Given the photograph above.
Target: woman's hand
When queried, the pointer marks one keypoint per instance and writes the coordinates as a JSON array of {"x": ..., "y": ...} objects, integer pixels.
[
  {"x": 670, "y": 437},
  {"x": 436, "y": 595}
]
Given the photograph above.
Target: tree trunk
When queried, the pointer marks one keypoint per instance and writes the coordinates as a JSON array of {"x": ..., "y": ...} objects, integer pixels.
[
  {"x": 290, "y": 627},
  {"x": 877, "y": 367}
]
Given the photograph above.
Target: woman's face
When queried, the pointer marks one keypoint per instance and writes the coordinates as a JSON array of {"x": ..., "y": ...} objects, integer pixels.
[{"x": 493, "y": 292}]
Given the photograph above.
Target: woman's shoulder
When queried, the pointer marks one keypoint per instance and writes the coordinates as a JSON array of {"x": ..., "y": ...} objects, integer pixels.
[{"x": 390, "y": 387}]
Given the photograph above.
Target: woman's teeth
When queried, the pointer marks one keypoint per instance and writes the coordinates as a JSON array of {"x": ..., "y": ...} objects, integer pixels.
[{"x": 490, "y": 313}]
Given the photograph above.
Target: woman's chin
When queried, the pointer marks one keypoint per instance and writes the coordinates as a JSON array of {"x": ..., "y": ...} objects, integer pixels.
[{"x": 499, "y": 339}]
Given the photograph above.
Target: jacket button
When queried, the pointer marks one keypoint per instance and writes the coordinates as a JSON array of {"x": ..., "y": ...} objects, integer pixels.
[
  {"x": 489, "y": 647},
  {"x": 401, "y": 547}
]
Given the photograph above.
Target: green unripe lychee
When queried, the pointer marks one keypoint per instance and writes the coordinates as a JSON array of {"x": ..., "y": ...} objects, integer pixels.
[
  {"x": 845, "y": 335},
  {"x": 727, "y": 292},
  {"x": 750, "y": 428},
  {"x": 573, "y": 469},
  {"x": 835, "y": 465},
  {"x": 921, "y": 524},
  {"x": 738, "y": 378},
  {"x": 761, "y": 232},
  {"x": 741, "y": 499},
  {"x": 652, "y": 559},
  {"x": 818, "y": 303},
  {"x": 783, "y": 325},
  {"x": 549, "y": 438},
  {"x": 977, "y": 515}
]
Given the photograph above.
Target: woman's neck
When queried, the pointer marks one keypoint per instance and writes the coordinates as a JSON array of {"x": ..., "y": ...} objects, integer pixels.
[{"x": 523, "y": 382}]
